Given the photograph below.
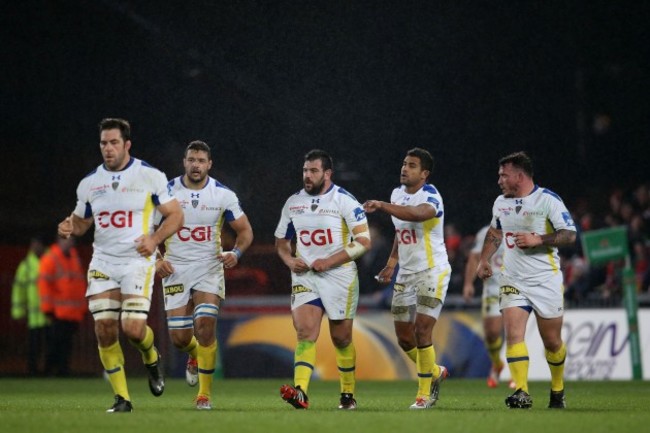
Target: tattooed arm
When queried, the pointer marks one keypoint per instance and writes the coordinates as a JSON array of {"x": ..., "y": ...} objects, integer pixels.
[
  {"x": 559, "y": 238},
  {"x": 492, "y": 242}
]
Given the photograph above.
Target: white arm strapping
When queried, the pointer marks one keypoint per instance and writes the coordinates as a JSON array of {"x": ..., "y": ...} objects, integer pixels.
[{"x": 355, "y": 250}]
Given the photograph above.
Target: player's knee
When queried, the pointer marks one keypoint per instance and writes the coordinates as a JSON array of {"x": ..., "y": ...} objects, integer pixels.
[
  {"x": 341, "y": 341},
  {"x": 205, "y": 319},
  {"x": 134, "y": 330},
  {"x": 106, "y": 331},
  {"x": 181, "y": 339}
]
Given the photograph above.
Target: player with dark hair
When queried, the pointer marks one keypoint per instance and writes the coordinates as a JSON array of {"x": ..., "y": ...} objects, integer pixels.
[
  {"x": 331, "y": 231},
  {"x": 420, "y": 289},
  {"x": 120, "y": 197},
  {"x": 531, "y": 222},
  {"x": 193, "y": 266}
]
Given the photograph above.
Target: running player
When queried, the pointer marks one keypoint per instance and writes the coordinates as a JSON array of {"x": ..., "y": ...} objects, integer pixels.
[
  {"x": 194, "y": 262},
  {"x": 531, "y": 222},
  {"x": 420, "y": 289},
  {"x": 120, "y": 197},
  {"x": 492, "y": 322},
  {"x": 331, "y": 231}
]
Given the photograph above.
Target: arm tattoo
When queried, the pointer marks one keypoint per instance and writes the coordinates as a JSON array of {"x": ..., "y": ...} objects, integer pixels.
[
  {"x": 559, "y": 238},
  {"x": 491, "y": 238}
]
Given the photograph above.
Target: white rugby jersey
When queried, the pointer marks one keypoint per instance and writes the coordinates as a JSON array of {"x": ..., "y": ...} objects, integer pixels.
[
  {"x": 122, "y": 204},
  {"x": 322, "y": 225},
  {"x": 496, "y": 261},
  {"x": 541, "y": 212},
  {"x": 420, "y": 244},
  {"x": 205, "y": 211}
]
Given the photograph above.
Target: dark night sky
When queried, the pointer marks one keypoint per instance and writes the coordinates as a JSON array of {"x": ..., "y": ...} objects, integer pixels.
[{"x": 263, "y": 82}]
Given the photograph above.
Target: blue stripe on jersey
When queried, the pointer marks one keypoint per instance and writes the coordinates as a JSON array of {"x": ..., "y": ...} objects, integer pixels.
[
  {"x": 146, "y": 164},
  {"x": 291, "y": 231},
  {"x": 551, "y": 193},
  {"x": 171, "y": 183},
  {"x": 89, "y": 211},
  {"x": 430, "y": 188},
  {"x": 228, "y": 215},
  {"x": 342, "y": 191},
  {"x": 91, "y": 173},
  {"x": 155, "y": 199},
  {"x": 499, "y": 224},
  {"x": 221, "y": 185}
]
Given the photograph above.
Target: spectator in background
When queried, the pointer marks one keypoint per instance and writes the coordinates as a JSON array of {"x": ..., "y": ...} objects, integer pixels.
[
  {"x": 25, "y": 302},
  {"x": 62, "y": 286}
]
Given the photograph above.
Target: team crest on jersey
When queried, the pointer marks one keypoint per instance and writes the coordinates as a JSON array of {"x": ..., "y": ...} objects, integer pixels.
[
  {"x": 195, "y": 200},
  {"x": 314, "y": 204},
  {"x": 116, "y": 181},
  {"x": 517, "y": 209}
]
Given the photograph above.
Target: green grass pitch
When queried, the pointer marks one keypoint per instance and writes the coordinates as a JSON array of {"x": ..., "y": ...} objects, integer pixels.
[{"x": 78, "y": 405}]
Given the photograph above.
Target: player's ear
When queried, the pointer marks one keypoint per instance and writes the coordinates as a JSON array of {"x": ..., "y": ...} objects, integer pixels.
[{"x": 127, "y": 145}]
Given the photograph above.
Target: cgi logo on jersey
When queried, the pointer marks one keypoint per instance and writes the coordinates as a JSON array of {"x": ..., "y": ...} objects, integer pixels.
[
  {"x": 197, "y": 234},
  {"x": 318, "y": 237},
  {"x": 406, "y": 236},
  {"x": 118, "y": 219}
]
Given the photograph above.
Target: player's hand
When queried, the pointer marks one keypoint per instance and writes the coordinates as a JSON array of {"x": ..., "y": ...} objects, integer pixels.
[
  {"x": 385, "y": 275},
  {"x": 298, "y": 266},
  {"x": 371, "y": 205},
  {"x": 468, "y": 291},
  {"x": 321, "y": 265},
  {"x": 65, "y": 228},
  {"x": 145, "y": 245},
  {"x": 484, "y": 270},
  {"x": 228, "y": 258},
  {"x": 527, "y": 240},
  {"x": 164, "y": 268}
]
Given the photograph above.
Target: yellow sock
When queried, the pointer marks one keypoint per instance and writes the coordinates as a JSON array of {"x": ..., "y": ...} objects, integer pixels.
[
  {"x": 494, "y": 352},
  {"x": 146, "y": 348},
  {"x": 427, "y": 369},
  {"x": 517, "y": 356},
  {"x": 303, "y": 366},
  {"x": 412, "y": 354},
  {"x": 112, "y": 359},
  {"x": 346, "y": 361},
  {"x": 207, "y": 358},
  {"x": 191, "y": 349},
  {"x": 556, "y": 364}
]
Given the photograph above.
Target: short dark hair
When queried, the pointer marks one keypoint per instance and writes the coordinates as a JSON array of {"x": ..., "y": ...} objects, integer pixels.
[
  {"x": 199, "y": 145},
  {"x": 426, "y": 160},
  {"x": 519, "y": 160},
  {"x": 116, "y": 123},
  {"x": 325, "y": 159}
]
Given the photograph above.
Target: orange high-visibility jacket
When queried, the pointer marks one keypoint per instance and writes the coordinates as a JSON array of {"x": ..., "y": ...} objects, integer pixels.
[{"x": 62, "y": 285}]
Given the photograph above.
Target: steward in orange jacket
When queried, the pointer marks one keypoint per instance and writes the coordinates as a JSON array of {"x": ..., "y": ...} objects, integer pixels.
[{"x": 62, "y": 286}]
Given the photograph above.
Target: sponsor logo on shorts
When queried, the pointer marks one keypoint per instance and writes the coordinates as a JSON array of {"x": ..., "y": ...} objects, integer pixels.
[
  {"x": 173, "y": 289},
  {"x": 508, "y": 290},
  {"x": 299, "y": 289},
  {"x": 96, "y": 275}
]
